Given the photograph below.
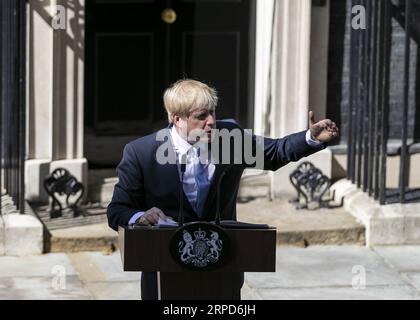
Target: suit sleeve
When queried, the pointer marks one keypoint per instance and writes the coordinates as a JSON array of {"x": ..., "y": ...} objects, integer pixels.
[
  {"x": 129, "y": 195},
  {"x": 275, "y": 153}
]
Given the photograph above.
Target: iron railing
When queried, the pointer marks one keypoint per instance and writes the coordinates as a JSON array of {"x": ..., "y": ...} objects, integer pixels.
[
  {"x": 370, "y": 61},
  {"x": 12, "y": 99}
]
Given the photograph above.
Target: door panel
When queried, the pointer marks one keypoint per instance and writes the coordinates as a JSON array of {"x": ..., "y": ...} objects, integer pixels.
[
  {"x": 201, "y": 51},
  {"x": 135, "y": 66},
  {"x": 124, "y": 54}
]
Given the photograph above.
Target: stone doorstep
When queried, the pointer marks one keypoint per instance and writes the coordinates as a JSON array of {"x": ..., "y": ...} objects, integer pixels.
[
  {"x": 307, "y": 238},
  {"x": 100, "y": 238},
  {"x": 393, "y": 224},
  {"x": 69, "y": 244},
  {"x": 94, "y": 237},
  {"x": 291, "y": 238}
]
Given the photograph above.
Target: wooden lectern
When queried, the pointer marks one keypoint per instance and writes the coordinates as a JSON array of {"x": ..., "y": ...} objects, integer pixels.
[{"x": 148, "y": 249}]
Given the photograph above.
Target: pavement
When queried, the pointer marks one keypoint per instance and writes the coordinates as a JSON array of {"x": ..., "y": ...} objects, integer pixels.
[
  {"x": 295, "y": 227},
  {"x": 320, "y": 255},
  {"x": 316, "y": 272}
]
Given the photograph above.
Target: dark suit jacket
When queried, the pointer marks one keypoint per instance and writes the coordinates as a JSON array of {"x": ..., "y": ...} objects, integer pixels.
[{"x": 144, "y": 183}]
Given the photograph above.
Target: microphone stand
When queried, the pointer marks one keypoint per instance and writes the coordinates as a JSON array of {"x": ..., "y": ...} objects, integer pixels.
[
  {"x": 181, "y": 193},
  {"x": 219, "y": 182}
]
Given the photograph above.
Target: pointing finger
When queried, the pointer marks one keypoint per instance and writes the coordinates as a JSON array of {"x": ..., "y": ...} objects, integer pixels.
[{"x": 311, "y": 118}]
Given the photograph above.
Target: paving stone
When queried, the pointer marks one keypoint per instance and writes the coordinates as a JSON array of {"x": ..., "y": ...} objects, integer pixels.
[
  {"x": 403, "y": 258},
  {"x": 316, "y": 272},
  {"x": 1, "y": 236},
  {"x": 99, "y": 267},
  {"x": 129, "y": 290},
  {"x": 34, "y": 266},
  {"x": 111, "y": 265},
  {"x": 247, "y": 293},
  {"x": 342, "y": 293},
  {"x": 42, "y": 288},
  {"x": 320, "y": 266},
  {"x": 413, "y": 278}
]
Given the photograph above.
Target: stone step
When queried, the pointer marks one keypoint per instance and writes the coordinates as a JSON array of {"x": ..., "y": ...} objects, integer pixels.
[
  {"x": 307, "y": 238},
  {"x": 81, "y": 239},
  {"x": 304, "y": 227},
  {"x": 294, "y": 227},
  {"x": 94, "y": 237}
]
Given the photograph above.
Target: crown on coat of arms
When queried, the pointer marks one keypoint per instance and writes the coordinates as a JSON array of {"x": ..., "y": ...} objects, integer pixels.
[{"x": 199, "y": 234}]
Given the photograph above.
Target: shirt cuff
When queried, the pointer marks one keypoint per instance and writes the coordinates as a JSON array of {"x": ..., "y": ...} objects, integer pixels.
[
  {"x": 312, "y": 142},
  {"x": 134, "y": 218}
]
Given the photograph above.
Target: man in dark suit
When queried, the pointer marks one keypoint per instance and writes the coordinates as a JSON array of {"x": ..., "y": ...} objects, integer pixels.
[{"x": 149, "y": 173}]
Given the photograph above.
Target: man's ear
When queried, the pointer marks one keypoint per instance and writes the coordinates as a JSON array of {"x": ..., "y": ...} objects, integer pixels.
[{"x": 176, "y": 120}]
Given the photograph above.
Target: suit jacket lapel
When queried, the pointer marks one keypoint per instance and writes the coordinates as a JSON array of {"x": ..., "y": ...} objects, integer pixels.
[{"x": 213, "y": 189}]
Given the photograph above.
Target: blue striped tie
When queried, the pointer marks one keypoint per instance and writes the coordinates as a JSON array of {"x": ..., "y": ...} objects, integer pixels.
[{"x": 202, "y": 181}]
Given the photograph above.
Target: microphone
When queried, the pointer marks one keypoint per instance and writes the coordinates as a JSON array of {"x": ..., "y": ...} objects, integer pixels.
[
  {"x": 219, "y": 182},
  {"x": 181, "y": 194}
]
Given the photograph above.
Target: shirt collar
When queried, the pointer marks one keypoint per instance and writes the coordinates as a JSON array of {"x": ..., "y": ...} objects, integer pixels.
[{"x": 181, "y": 145}]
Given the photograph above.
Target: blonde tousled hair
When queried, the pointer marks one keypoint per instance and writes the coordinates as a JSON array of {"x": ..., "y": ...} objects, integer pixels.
[{"x": 186, "y": 95}]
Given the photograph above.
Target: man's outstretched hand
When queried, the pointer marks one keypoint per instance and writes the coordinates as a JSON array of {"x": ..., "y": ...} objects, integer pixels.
[{"x": 324, "y": 130}]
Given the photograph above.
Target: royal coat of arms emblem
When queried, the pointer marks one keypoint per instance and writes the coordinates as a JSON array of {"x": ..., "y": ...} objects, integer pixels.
[{"x": 200, "y": 246}]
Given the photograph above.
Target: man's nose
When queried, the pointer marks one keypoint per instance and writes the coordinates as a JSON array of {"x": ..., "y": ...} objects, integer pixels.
[{"x": 211, "y": 119}]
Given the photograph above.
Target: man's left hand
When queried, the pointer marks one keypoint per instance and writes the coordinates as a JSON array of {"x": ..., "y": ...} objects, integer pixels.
[{"x": 324, "y": 130}]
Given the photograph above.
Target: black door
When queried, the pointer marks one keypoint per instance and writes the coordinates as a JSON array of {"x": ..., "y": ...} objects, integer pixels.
[{"x": 135, "y": 49}]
